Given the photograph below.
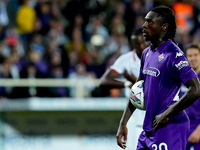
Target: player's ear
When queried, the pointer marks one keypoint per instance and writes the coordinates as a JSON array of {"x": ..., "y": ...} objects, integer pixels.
[{"x": 165, "y": 27}]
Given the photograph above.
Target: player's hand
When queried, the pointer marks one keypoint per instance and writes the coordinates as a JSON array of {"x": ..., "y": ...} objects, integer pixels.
[
  {"x": 160, "y": 121},
  {"x": 122, "y": 136}
]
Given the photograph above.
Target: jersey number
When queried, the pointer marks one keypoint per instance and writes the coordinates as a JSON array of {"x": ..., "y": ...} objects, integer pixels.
[{"x": 160, "y": 146}]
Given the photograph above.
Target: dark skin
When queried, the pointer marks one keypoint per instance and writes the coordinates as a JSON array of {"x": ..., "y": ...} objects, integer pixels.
[
  {"x": 154, "y": 28},
  {"x": 108, "y": 79}
]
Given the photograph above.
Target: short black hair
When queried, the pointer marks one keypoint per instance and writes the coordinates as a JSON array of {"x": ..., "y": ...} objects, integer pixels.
[
  {"x": 137, "y": 31},
  {"x": 168, "y": 17},
  {"x": 192, "y": 46}
]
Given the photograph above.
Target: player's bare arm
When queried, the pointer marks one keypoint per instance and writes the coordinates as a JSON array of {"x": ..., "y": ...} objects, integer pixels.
[
  {"x": 109, "y": 80},
  {"x": 188, "y": 99},
  {"x": 195, "y": 135},
  {"x": 122, "y": 129},
  {"x": 130, "y": 77}
]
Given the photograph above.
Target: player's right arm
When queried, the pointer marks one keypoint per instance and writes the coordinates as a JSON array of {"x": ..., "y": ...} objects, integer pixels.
[
  {"x": 122, "y": 129},
  {"x": 108, "y": 80}
]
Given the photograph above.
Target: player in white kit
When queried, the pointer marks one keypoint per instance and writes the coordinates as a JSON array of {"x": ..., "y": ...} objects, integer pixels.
[{"x": 128, "y": 65}]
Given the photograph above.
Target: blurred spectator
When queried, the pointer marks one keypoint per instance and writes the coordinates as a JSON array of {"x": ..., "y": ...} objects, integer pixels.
[
  {"x": 1, "y": 53},
  {"x": 196, "y": 14},
  {"x": 31, "y": 72},
  {"x": 56, "y": 32},
  {"x": 19, "y": 62},
  {"x": 149, "y": 4},
  {"x": 12, "y": 8},
  {"x": 27, "y": 13},
  {"x": 134, "y": 9},
  {"x": 183, "y": 39},
  {"x": 76, "y": 9},
  {"x": 36, "y": 57},
  {"x": 81, "y": 73},
  {"x": 26, "y": 16},
  {"x": 117, "y": 39},
  {"x": 76, "y": 49},
  {"x": 56, "y": 55},
  {"x": 55, "y": 60},
  {"x": 96, "y": 27},
  {"x": 95, "y": 59},
  {"x": 139, "y": 22},
  {"x": 78, "y": 22},
  {"x": 9, "y": 70},
  {"x": 184, "y": 14},
  {"x": 56, "y": 13},
  {"x": 38, "y": 26},
  {"x": 3, "y": 13},
  {"x": 2, "y": 33},
  {"x": 11, "y": 45},
  {"x": 112, "y": 9},
  {"x": 37, "y": 43},
  {"x": 57, "y": 73},
  {"x": 44, "y": 15}
]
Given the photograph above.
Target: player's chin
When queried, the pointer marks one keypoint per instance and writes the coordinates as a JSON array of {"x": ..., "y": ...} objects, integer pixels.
[
  {"x": 146, "y": 38},
  {"x": 194, "y": 65}
]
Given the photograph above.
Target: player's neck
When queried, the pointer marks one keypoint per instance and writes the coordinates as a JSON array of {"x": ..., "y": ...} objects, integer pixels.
[{"x": 156, "y": 44}]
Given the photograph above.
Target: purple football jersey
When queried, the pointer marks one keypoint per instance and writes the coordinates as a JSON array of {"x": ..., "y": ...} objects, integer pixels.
[{"x": 163, "y": 70}]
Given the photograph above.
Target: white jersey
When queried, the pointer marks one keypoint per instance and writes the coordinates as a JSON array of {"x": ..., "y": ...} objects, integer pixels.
[{"x": 130, "y": 62}]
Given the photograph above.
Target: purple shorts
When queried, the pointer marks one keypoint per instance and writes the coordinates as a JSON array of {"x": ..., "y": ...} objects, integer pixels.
[
  {"x": 171, "y": 137},
  {"x": 193, "y": 146}
]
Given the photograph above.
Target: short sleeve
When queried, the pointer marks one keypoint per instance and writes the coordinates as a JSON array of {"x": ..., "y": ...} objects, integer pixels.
[
  {"x": 181, "y": 68},
  {"x": 118, "y": 65}
]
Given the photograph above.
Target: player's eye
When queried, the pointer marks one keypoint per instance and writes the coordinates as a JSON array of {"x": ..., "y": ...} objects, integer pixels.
[{"x": 149, "y": 21}]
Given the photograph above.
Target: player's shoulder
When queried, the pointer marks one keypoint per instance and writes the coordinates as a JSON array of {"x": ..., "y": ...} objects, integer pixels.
[
  {"x": 145, "y": 51},
  {"x": 175, "y": 51},
  {"x": 126, "y": 55}
]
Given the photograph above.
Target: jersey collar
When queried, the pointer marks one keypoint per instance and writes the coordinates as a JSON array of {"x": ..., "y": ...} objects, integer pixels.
[{"x": 161, "y": 47}]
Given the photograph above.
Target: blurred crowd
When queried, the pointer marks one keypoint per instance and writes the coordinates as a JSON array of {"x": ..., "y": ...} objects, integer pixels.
[{"x": 76, "y": 39}]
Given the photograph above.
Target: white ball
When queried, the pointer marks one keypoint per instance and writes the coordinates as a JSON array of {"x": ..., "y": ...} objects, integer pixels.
[{"x": 137, "y": 95}]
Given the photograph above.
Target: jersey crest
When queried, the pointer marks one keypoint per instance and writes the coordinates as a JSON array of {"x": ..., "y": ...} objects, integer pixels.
[{"x": 160, "y": 57}]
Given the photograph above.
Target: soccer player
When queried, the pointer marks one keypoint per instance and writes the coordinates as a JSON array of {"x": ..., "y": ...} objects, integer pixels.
[
  {"x": 164, "y": 67},
  {"x": 130, "y": 70},
  {"x": 193, "y": 55}
]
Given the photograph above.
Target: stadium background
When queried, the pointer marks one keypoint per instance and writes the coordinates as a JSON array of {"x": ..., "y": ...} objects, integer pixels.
[{"x": 52, "y": 54}]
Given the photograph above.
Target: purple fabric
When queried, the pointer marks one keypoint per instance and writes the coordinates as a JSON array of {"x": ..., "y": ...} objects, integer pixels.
[
  {"x": 163, "y": 71},
  {"x": 171, "y": 137}
]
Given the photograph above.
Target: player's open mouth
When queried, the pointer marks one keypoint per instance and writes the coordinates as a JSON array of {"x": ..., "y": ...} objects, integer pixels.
[{"x": 144, "y": 32}]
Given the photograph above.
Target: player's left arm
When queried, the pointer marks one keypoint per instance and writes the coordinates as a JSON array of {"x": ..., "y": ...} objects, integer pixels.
[
  {"x": 186, "y": 100},
  {"x": 122, "y": 129},
  {"x": 129, "y": 77},
  {"x": 195, "y": 135}
]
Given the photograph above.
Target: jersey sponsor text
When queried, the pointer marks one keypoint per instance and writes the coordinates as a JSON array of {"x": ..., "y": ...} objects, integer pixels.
[
  {"x": 181, "y": 64},
  {"x": 151, "y": 71}
]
